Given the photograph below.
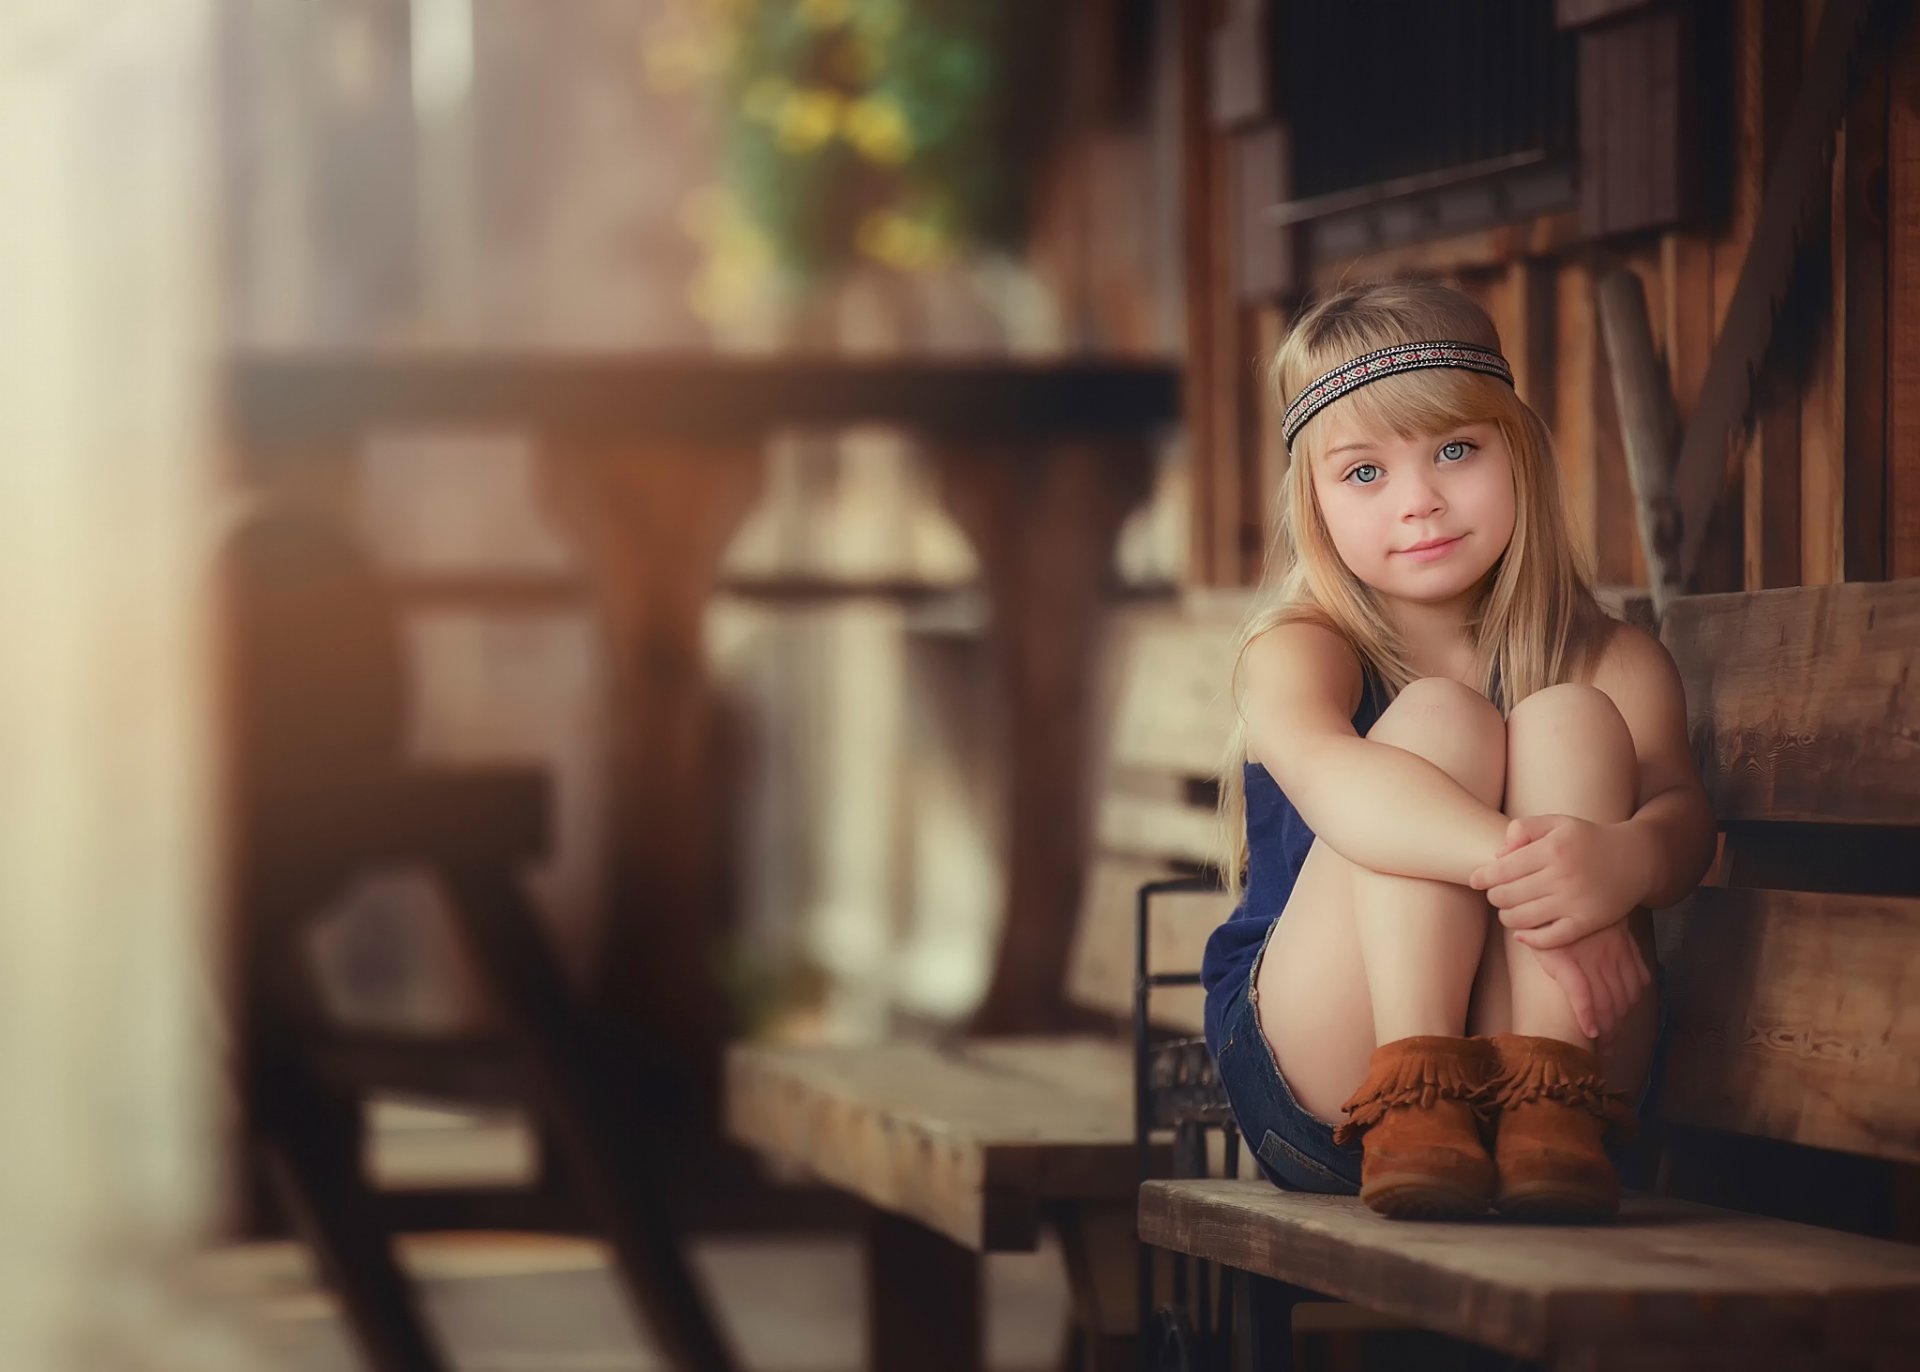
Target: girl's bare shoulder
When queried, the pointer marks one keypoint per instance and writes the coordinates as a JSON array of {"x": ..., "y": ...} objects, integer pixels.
[
  {"x": 1303, "y": 662},
  {"x": 1635, "y": 668}
]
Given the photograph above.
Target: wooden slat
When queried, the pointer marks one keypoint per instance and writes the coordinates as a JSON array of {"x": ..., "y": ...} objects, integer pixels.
[
  {"x": 1668, "y": 1274},
  {"x": 1861, "y": 260},
  {"x": 970, "y": 1140},
  {"x": 1100, "y": 976},
  {"x": 1792, "y": 1018},
  {"x": 1903, "y": 321},
  {"x": 472, "y": 1069},
  {"x": 1804, "y": 703}
]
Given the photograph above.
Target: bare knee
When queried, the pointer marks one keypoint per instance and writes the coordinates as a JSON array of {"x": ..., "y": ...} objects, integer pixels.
[
  {"x": 1452, "y": 726},
  {"x": 1570, "y": 737}
]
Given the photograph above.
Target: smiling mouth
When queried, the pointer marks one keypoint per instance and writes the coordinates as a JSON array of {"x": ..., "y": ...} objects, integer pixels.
[{"x": 1434, "y": 546}]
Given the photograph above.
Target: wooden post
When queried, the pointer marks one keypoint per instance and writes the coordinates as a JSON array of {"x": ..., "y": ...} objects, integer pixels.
[
  {"x": 654, "y": 525},
  {"x": 1043, "y": 518},
  {"x": 923, "y": 1299},
  {"x": 1648, "y": 427}
]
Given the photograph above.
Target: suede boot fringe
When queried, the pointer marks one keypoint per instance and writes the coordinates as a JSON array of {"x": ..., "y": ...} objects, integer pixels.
[
  {"x": 1448, "y": 1071},
  {"x": 1539, "y": 1075}
]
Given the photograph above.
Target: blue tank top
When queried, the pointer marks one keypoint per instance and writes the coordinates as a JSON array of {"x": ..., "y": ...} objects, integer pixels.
[{"x": 1277, "y": 843}]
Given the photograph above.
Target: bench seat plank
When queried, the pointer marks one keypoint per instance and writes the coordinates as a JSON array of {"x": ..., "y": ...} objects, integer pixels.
[
  {"x": 1669, "y": 1273},
  {"x": 972, "y": 1139}
]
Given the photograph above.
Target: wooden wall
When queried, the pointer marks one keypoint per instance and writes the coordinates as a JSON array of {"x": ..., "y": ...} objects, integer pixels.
[{"x": 1825, "y": 487}]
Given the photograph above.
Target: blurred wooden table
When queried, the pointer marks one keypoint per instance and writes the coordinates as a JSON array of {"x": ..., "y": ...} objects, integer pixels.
[{"x": 652, "y": 461}]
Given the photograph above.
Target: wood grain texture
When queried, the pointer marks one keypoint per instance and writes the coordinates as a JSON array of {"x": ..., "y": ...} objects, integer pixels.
[
  {"x": 1792, "y": 1018},
  {"x": 1861, "y": 315},
  {"x": 970, "y": 1139},
  {"x": 1804, "y": 703},
  {"x": 1667, "y": 1274}
]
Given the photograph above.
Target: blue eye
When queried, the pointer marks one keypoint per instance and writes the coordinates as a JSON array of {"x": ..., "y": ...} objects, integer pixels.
[
  {"x": 1459, "y": 447},
  {"x": 1363, "y": 467}
]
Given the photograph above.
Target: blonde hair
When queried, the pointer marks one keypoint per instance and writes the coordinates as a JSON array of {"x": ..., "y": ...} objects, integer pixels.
[{"x": 1534, "y": 618}]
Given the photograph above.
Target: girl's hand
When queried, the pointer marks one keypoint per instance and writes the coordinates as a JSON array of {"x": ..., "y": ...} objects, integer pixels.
[
  {"x": 1603, "y": 974},
  {"x": 1557, "y": 879}
]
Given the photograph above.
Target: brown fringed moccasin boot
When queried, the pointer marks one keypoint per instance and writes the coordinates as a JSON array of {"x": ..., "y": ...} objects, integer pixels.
[
  {"x": 1416, "y": 1120},
  {"x": 1551, "y": 1108}
]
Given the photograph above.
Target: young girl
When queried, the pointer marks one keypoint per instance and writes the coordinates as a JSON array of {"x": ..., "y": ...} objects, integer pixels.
[{"x": 1462, "y": 784}]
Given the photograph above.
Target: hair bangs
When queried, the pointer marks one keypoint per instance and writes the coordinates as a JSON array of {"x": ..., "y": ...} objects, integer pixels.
[{"x": 1411, "y": 404}]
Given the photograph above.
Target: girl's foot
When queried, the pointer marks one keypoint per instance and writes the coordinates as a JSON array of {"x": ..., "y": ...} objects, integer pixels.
[
  {"x": 1416, "y": 1120},
  {"x": 1553, "y": 1107}
]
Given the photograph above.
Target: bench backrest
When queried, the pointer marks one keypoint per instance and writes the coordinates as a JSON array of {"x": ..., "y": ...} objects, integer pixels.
[
  {"x": 1154, "y": 799},
  {"x": 1794, "y": 986}
]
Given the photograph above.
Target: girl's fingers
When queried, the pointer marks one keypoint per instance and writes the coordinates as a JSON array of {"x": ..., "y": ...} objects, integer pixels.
[
  {"x": 1625, "y": 991},
  {"x": 1580, "y": 998},
  {"x": 1532, "y": 913},
  {"x": 1520, "y": 890},
  {"x": 1554, "y": 934}
]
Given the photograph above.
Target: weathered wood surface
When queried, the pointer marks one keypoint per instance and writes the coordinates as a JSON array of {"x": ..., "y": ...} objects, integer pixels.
[
  {"x": 1667, "y": 1273},
  {"x": 1804, "y": 704},
  {"x": 970, "y": 1140},
  {"x": 1792, "y": 1018}
]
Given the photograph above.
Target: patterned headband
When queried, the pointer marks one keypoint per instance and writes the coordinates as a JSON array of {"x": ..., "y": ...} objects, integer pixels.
[{"x": 1402, "y": 357}]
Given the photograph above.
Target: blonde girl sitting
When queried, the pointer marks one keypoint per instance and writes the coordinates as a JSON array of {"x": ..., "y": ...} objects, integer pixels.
[{"x": 1457, "y": 786}]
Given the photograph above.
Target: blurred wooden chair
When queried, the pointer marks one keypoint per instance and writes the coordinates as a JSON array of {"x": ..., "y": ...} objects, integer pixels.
[{"x": 321, "y": 794}]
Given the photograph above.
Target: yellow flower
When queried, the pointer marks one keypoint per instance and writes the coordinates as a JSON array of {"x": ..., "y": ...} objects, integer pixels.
[
  {"x": 910, "y": 245},
  {"x": 825, "y": 14},
  {"x": 808, "y": 119},
  {"x": 878, "y": 129}
]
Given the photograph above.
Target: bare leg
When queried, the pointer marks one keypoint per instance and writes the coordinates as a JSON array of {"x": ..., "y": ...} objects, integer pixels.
[
  {"x": 1569, "y": 753},
  {"x": 1362, "y": 958}
]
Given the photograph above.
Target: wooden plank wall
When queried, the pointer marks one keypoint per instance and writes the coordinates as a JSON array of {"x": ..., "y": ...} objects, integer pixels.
[{"x": 1826, "y": 486}]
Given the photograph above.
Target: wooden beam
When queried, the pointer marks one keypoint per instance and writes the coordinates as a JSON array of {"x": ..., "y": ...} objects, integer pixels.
[
  {"x": 1576, "y": 370},
  {"x": 1861, "y": 298},
  {"x": 1796, "y": 189},
  {"x": 1648, "y": 426},
  {"x": 1903, "y": 288}
]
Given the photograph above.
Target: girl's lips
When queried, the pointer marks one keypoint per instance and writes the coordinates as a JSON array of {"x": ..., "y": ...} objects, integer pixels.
[{"x": 1438, "y": 550}]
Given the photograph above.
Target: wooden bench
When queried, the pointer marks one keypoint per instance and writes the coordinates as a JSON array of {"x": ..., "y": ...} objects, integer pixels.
[
  {"x": 1792, "y": 986},
  {"x": 975, "y": 1146}
]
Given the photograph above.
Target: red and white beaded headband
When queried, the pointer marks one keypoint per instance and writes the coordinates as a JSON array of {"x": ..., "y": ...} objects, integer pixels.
[{"x": 1401, "y": 357}]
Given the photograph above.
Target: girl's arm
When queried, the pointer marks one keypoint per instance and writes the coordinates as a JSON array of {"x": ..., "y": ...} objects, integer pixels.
[
  {"x": 1374, "y": 804},
  {"x": 1671, "y": 834}
]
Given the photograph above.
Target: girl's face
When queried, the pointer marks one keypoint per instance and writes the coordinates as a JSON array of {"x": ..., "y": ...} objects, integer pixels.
[{"x": 1419, "y": 519}]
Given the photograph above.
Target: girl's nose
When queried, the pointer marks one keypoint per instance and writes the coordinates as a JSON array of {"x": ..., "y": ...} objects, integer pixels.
[{"x": 1423, "y": 499}]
